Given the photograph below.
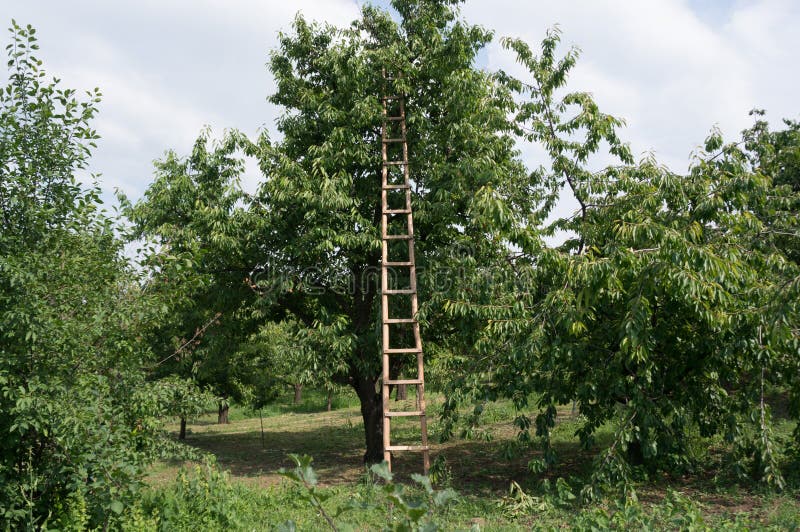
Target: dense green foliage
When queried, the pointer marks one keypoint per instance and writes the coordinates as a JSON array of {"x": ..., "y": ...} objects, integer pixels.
[
  {"x": 79, "y": 420},
  {"x": 194, "y": 233},
  {"x": 320, "y": 201},
  {"x": 671, "y": 309}
]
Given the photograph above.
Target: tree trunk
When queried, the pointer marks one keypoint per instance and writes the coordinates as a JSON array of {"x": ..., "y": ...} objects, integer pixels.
[
  {"x": 372, "y": 413},
  {"x": 330, "y": 400},
  {"x": 402, "y": 393},
  {"x": 222, "y": 414},
  {"x": 298, "y": 393},
  {"x": 182, "y": 433},
  {"x": 635, "y": 454}
]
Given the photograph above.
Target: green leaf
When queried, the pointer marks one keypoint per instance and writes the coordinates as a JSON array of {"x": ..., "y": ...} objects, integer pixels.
[{"x": 382, "y": 470}]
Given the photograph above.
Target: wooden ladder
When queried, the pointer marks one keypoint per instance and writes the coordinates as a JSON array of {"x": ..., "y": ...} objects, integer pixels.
[{"x": 396, "y": 204}]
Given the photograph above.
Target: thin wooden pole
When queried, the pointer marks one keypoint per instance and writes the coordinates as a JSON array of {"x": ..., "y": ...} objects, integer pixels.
[{"x": 261, "y": 419}]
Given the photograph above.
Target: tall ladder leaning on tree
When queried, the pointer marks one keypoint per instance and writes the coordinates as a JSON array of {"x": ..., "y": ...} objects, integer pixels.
[{"x": 396, "y": 204}]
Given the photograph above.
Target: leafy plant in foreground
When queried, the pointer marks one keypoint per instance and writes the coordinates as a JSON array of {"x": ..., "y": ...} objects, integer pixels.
[{"x": 405, "y": 512}]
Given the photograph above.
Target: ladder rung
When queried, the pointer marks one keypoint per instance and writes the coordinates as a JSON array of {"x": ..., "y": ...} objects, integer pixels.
[
  {"x": 394, "y": 163},
  {"x": 415, "y": 413},
  {"x": 395, "y": 187},
  {"x": 407, "y": 263},
  {"x": 393, "y": 118},
  {"x": 400, "y": 291},
  {"x": 387, "y": 141},
  {"x": 403, "y": 381},
  {"x": 398, "y": 237},
  {"x": 393, "y": 97},
  {"x": 407, "y": 448},
  {"x": 400, "y": 320},
  {"x": 397, "y": 211},
  {"x": 402, "y": 350}
]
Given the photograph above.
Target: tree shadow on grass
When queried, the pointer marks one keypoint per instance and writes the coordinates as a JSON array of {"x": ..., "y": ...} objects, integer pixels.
[
  {"x": 473, "y": 467},
  {"x": 336, "y": 451}
]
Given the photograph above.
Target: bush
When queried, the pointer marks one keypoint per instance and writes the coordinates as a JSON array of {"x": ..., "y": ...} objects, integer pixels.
[{"x": 202, "y": 498}]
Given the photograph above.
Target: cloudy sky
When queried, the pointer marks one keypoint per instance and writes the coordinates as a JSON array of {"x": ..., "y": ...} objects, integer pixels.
[{"x": 167, "y": 68}]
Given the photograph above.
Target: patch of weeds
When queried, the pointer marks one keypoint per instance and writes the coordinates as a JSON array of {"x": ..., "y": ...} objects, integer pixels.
[
  {"x": 404, "y": 509},
  {"x": 440, "y": 472},
  {"x": 785, "y": 515}
]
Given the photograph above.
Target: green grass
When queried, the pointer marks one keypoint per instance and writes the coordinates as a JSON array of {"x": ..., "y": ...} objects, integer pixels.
[{"x": 481, "y": 470}]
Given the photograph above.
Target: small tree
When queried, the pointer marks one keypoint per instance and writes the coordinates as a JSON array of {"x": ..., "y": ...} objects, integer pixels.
[
  {"x": 196, "y": 235},
  {"x": 79, "y": 422}
]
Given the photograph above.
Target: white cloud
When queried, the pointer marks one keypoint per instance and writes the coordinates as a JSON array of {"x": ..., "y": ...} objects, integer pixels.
[
  {"x": 166, "y": 69},
  {"x": 765, "y": 33},
  {"x": 656, "y": 64},
  {"x": 671, "y": 68},
  {"x": 672, "y": 71}
]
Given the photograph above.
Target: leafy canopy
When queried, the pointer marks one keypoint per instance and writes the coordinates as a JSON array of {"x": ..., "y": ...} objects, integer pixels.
[{"x": 672, "y": 308}]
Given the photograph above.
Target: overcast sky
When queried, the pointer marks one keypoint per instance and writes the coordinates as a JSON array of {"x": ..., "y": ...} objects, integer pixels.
[{"x": 671, "y": 68}]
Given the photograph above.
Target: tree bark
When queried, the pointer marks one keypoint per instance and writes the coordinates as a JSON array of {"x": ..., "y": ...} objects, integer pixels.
[
  {"x": 635, "y": 454},
  {"x": 222, "y": 414},
  {"x": 372, "y": 414},
  {"x": 298, "y": 393},
  {"x": 402, "y": 393},
  {"x": 330, "y": 400},
  {"x": 182, "y": 433}
]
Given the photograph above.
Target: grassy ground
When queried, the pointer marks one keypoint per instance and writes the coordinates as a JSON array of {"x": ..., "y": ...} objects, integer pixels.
[{"x": 480, "y": 469}]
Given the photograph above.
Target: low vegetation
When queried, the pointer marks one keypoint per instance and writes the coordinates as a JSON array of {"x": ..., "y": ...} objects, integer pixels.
[{"x": 487, "y": 474}]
